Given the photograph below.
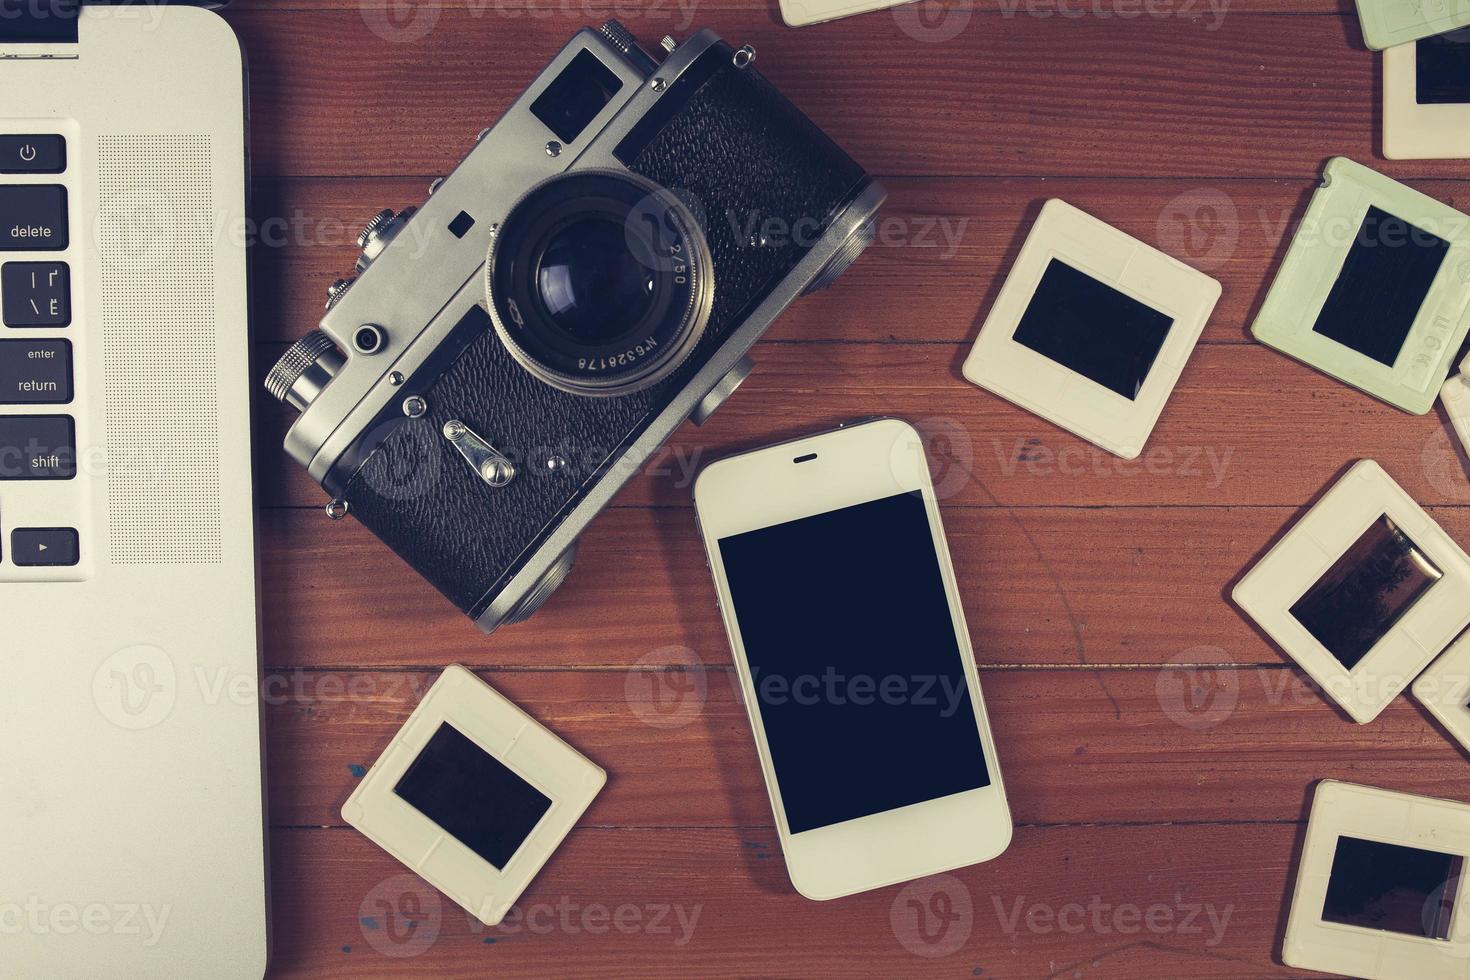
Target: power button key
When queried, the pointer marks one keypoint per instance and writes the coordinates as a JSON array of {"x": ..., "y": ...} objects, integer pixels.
[{"x": 32, "y": 154}]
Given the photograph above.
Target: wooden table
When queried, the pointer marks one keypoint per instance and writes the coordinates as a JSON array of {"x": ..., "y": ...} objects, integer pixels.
[{"x": 1159, "y": 809}]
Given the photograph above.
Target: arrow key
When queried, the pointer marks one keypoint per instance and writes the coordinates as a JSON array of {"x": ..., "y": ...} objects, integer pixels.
[{"x": 34, "y": 547}]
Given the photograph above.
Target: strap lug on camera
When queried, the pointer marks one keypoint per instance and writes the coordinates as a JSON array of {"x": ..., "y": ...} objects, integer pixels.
[{"x": 723, "y": 389}]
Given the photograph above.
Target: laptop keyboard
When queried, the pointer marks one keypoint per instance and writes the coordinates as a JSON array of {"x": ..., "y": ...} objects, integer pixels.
[{"x": 36, "y": 367}]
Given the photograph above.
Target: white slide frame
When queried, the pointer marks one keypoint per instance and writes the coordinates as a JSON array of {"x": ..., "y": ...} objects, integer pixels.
[{"x": 507, "y": 734}]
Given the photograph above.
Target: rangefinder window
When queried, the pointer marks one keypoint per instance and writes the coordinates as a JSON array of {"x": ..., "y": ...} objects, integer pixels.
[{"x": 576, "y": 96}]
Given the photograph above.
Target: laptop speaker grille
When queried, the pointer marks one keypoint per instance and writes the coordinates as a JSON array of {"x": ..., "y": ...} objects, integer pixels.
[{"x": 155, "y": 228}]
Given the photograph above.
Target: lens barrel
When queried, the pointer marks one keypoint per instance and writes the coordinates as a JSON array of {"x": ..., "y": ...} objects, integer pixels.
[{"x": 599, "y": 282}]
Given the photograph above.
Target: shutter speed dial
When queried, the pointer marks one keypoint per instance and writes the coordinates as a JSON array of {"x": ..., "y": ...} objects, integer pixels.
[{"x": 378, "y": 232}]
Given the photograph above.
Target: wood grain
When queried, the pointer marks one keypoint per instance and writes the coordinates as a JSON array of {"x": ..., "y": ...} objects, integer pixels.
[
  {"x": 1136, "y": 785},
  {"x": 397, "y": 12},
  {"x": 1256, "y": 96},
  {"x": 1238, "y": 415},
  {"x": 1063, "y": 586},
  {"x": 1215, "y": 893},
  {"x": 1076, "y": 746},
  {"x": 950, "y": 241}
]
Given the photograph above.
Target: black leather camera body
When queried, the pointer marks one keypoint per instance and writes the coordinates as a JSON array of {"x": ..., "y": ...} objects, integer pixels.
[{"x": 590, "y": 276}]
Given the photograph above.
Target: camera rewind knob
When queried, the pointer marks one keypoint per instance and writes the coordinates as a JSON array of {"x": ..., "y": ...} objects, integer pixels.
[{"x": 622, "y": 39}]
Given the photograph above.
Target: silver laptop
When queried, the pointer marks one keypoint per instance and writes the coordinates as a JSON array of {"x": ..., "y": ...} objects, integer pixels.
[{"x": 132, "y": 836}]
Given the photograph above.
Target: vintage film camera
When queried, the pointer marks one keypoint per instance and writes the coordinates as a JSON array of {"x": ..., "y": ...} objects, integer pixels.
[{"x": 590, "y": 276}]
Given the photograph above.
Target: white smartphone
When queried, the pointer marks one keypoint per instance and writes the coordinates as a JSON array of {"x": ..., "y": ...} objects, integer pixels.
[{"x": 837, "y": 593}]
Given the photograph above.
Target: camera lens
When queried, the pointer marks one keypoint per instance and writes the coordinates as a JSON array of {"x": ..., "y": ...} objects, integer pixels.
[
  {"x": 599, "y": 283},
  {"x": 590, "y": 284}
]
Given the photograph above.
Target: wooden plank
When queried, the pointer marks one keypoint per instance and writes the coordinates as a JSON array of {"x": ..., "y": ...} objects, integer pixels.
[
  {"x": 1076, "y": 746},
  {"x": 943, "y": 248},
  {"x": 1062, "y": 902},
  {"x": 637, "y": 15},
  {"x": 1170, "y": 801},
  {"x": 1246, "y": 425},
  {"x": 331, "y": 97},
  {"x": 1068, "y": 586}
]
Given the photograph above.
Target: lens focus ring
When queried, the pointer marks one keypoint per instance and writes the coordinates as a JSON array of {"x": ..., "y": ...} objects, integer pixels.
[{"x": 599, "y": 282}]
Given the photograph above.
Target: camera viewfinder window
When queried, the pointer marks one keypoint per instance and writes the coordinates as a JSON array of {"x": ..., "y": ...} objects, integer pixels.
[
  {"x": 1383, "y": 281},
  {"x": 1392, "y": 887},
  {"x": 1093, "y": 329},
  {"x": 1365, "y": 592},
  {"x": 475, "y": 797},
  {"x": 576, "y": 97},
  {"x": 1442, "y": 69}
]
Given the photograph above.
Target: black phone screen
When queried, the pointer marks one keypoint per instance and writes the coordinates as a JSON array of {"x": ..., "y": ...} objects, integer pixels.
[{"x": 854, "y": 661}]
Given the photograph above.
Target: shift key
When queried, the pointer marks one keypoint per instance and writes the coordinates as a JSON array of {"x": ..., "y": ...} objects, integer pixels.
[
  {"x": 37, "y": 447},
  {"x": 33, "y": 218}
]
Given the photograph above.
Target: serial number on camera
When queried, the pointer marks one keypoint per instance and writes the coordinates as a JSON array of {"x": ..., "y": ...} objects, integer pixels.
[{"x": 634, "y": 353}]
